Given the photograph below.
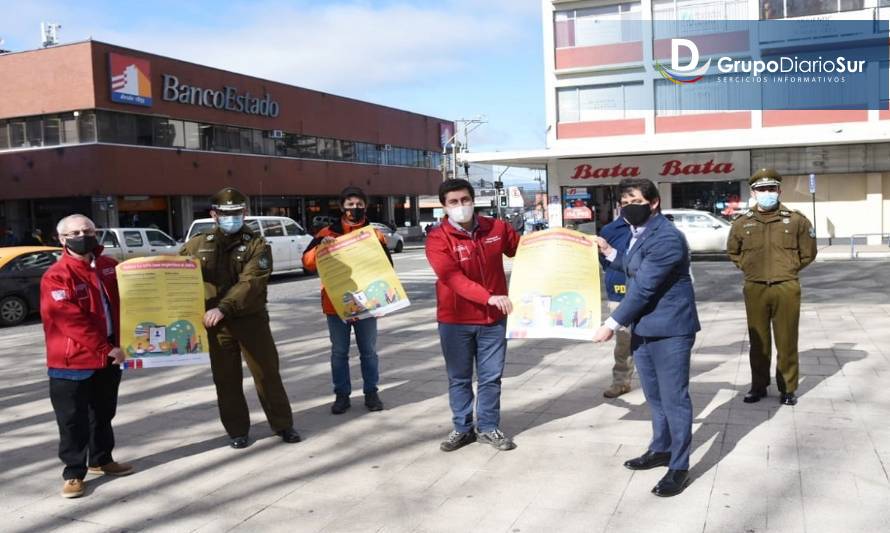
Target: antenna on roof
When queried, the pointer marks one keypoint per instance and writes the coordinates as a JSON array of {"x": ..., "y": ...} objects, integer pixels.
[{"x": 49, "y": 32}]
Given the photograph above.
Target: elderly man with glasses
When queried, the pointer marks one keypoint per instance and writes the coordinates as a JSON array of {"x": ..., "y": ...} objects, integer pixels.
[{"x": 80, "y": 307}]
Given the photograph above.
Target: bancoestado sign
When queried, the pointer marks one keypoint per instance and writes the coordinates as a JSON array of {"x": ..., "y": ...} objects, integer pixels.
[
  {"x": 226, "y": 98},
  {"x": 705, "y": 166}
]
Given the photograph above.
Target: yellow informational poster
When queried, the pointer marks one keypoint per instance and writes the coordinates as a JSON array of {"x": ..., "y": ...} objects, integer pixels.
[
  {"x": 162, "y": 311},
  {"x": 555, "y": 286},
  {"x": 358, "y": 277}
]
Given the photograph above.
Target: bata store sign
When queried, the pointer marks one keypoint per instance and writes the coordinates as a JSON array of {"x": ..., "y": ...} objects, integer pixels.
[{"x": 710, "y": 166}]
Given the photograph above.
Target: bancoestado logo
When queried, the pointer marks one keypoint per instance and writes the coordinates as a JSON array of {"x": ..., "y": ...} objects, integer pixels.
[
  {"x": 226, "y": 98},
  {"x": 130, "y": 80},
  {"x": 785, "y": 69}
]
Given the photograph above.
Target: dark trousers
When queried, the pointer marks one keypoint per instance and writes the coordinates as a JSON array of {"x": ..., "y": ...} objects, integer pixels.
[
  {"x": 84, "y": 410},
  {"x": 663, "y": 369},
  {"x": 485, "y": 347},
  {"x": 251, "y": 337},
  {"x": 773, "y": 311}
]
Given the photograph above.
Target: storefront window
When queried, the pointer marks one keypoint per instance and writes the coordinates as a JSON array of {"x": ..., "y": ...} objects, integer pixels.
[{"x": 721, "y": 198}]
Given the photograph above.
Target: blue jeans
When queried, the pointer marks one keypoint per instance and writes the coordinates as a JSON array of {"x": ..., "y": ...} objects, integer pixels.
[
  {"x": 663, "y": 368},
  {"x": 366, "y": 339},
  {"x": 466, "y": 345}
]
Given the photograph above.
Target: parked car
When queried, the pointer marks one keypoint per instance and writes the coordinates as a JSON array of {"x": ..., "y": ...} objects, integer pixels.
[
  {"x": 705, "y": 232},
  {"x": 127, "y": 243},
  {"x": 320, "y": 221},
  {"x": 21, "y": 268},
  {"x": 287, "y": 239},
  {"x": 394, "y": 241}
]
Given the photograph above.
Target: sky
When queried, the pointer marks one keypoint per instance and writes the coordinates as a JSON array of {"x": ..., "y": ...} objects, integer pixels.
[{"x": 451, "y": 59}]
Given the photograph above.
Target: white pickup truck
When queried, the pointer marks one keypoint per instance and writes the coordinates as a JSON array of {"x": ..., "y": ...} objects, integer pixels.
[{"x": 127, "y": 243}]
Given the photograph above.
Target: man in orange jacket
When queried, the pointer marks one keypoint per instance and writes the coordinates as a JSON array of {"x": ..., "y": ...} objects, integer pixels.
[{"x": 353, "y": 203}]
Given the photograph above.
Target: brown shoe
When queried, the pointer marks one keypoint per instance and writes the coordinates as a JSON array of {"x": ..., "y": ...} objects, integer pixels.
[
  {"x": 73, "y": 488},
  {"x": 616, "y": 390},
  {"x": 113, "y": 469}
]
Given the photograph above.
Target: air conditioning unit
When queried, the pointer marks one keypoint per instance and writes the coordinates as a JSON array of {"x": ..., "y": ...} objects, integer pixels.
[
  {"x": 387, "y": 147},
  {"x": 276, "y": 134}
]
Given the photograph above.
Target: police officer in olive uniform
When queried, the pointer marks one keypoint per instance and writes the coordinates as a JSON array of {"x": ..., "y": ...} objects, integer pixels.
[
  {"x": 771, "y": 244},
  {"x": 236, "y": 264}
]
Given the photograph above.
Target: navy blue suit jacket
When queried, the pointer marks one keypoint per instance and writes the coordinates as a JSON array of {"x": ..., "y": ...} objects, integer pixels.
[{"x": 660, "y": 301}]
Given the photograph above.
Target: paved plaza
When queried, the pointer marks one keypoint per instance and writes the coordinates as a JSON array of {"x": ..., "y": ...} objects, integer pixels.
[{"x": 820, "y": 466}]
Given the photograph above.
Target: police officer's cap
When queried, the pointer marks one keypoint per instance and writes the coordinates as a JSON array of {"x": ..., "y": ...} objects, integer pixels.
[
  {"x": 765, "y": 177},
  {"x": 228, "y": 199}
]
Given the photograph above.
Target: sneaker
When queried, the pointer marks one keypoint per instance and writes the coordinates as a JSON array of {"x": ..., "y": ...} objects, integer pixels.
[
  {"x": 341, "y": 404},
  {"x": 616, "y": 390},
  {"x": 373, "y": 402},
  {"x": 457, "y": 440},
  {"x": 496, "y": 438},
  {"x": 73, "y": 488},
  {"x": 112, "y": 469}
]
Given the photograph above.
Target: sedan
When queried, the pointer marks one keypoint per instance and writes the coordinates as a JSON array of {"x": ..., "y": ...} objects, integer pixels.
[
  {"x": 21, "y": 268},
  {"x": 705, "y": 232},
  {"x": 394, "y": 241}
]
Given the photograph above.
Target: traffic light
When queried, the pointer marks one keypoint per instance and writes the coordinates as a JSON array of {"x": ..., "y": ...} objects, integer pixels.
[
  {"x": 503, "y": 201},
  {"x": 499, "y": 185}
]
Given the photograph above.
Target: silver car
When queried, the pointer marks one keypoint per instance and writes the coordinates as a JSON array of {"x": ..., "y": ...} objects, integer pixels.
[
  {"x": 704, "y": 231},
  {"x": 394, "y": 241}
]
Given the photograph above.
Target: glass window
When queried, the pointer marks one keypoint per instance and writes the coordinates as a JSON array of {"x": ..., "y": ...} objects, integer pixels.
[
  {"x": 564, "y": 28},
  {"x": 158, "y": 238},
  {"x": 233, "y": 139},
  {"x": 133, "y": 239},
  {"x": 108, "y": 239},
  {"x": 601, "y": 25},
  {"x": 777, "y": 9},
  {"x": 569, "y": 110},
  {"x": 144, "y": 130},
  {"x": 256, "y": 144},
  {"x": 34, "y": 131},
  {"x": 292, "y": 144},
  {"x": 34, "y": 261},
  {"x": 253, "y": 225},
  {"x": 17, "y": 134},
  {"x": 292, "y": 228},
  {"x": 325, "y": 148},
  {"x": 201, "y": 227},
  {"x": 86, "y": 127},
  {"x": 192, "y": 135},
  {"x": 164, "y": 132},
  {"x": 347, "y": 150},
  {"x": 308, "y": 146},
  {"x": 69, "y": 129},
  {"x": 205, "y": 132},
  {"x": 177, "y": 128},
  {"x": 52, "y": 131},
  {"x": 706, "y": 96},
  {"x": 4, "y": 135},
  {"x": 272, "y": 228}
]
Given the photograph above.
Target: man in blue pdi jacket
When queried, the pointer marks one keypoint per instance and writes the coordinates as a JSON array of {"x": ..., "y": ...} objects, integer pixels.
[
  {"x": 659, "y": 307},
  {"x": 617, "y": 234}
]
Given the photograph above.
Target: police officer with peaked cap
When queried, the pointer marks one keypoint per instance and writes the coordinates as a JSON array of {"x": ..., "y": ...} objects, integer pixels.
[
  {"x": 236, "y": 264},
  {"x": 771, "y": 244}
]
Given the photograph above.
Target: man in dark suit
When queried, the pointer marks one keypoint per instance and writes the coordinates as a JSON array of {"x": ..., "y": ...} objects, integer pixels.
[{"x": 659, "y": 307}]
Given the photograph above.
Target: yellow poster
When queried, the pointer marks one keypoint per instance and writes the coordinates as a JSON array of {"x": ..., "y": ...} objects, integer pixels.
[
  {"x": 162, "y": 308},
  {"x": 555, "y": 286},
  {"x": 358, "y": 277}
]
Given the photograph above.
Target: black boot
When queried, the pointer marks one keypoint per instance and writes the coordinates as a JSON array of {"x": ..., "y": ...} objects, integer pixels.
[
  {"x": 373, "y": 402},
  {"x": 341, "y": 404}
]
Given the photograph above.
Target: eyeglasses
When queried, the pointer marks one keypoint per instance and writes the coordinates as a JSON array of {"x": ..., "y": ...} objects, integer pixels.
[{"x": 78, "y": 233}]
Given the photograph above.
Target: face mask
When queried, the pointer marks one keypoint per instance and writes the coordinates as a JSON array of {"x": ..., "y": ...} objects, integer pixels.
[
  {"x": 230, "y": 225},
  {"x": 636, "y": 214},
  {"x": 355, "y": 213},
  {"x": 461, "y": 214},
  {"x": 767, "y": 200},
  {"x": 82, "y": 245}
]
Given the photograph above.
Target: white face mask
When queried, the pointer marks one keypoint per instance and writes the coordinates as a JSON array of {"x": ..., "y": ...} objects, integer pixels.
[{"x": 461, "y": 214}]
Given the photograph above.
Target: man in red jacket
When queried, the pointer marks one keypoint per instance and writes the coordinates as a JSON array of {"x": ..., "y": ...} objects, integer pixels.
[
  {"x": 466, "y": 252},
  {"x": 80, "y": 307}
]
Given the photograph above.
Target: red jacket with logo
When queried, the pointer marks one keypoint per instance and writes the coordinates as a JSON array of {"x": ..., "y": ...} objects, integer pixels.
[
  {"x": 470, "y": 268},
  {"x": 73, "y": 314}
]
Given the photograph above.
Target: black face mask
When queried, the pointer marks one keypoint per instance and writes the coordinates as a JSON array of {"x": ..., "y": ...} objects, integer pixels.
[
  {"x": 636, "y": 214},
  {"x": 356, "y": 213},
  {"x": 82, "y": 245}
]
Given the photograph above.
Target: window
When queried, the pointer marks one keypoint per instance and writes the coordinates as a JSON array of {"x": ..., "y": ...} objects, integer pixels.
[
  {"x": 292, "y": 228},
  {"x": 17, "y": 134},
  {"x": 108, "y": 239},
  {"x": 133, "y": 239},
  {"x": 34, "y": 132},
  {"x": 347, "y": 150},
  {"x": 779, "y": 9},
  {"x": 4, "y": 135},
  {"x": 165, "y": 132},
  {"x": 256, "y": 144},
  {"x": 600, "y": 25},
  {"x": 272, "y": 228},
  {"x": 326, "y": 148},
  {"x": 52, "y": 131},
  {"x": 69, "y": 129},
  {"x": 705, "y": 96},
  {"x": 192, "y": 135},
  {"x": 158, "y": 238},
  {"x": 253, "y": 225},
  {"x": 86, "y": 127},
  {"x": 601, "y": 102},
  {"x": 34, "y": 261}
]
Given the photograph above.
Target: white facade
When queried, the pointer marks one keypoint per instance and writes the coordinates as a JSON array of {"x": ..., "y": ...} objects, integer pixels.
[{"x": 849, "y": 151}]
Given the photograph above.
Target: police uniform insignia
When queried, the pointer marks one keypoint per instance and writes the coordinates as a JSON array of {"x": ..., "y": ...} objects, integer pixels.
[
  {"x": 750, "y": 225},
  {"x": 210, "y": 238},
  {"x": 264, "y": 261},
  {"x": 785, "y": 213},
  {"x": 786, "y": 221},
  {"x": 246, "y": 237},
  {"x": 749, "y": 214},
  {"x": 242, "y": 248},
  {"x": 813, "y": 233}
]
